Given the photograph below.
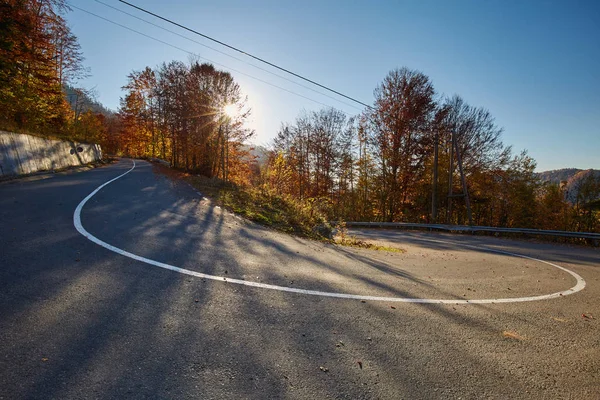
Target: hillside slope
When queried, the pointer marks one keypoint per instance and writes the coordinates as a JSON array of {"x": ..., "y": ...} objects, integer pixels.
[{"x": 558, "y": 175}]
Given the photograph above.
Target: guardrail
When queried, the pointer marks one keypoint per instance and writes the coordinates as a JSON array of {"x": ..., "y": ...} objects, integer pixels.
[{"x": 467, "y": 228}]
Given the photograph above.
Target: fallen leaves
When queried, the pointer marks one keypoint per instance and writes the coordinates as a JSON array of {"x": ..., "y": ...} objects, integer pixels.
[
  {"x": 584, "y": 316},
  {"x": 513, "y": 335}
]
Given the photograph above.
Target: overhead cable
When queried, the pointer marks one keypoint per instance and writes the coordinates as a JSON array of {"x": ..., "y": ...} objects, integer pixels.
[
  {"x": 206, "y": 59},
  {"x": 245, "y": 53},
  {"x": 226, "y": 54}
]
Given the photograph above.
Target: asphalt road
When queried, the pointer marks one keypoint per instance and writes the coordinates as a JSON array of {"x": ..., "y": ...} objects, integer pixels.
[{"x": 79, "y": 321}]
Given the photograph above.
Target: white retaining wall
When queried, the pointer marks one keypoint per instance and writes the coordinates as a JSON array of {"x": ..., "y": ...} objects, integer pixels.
[{"x": 23, "y": 154}]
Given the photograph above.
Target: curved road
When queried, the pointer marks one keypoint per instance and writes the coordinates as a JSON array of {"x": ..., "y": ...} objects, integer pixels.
[{"x": 79, "y": 320}]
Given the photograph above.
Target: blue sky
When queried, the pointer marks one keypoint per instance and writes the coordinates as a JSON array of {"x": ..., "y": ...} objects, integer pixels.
[{"x": 534, "y": 64}]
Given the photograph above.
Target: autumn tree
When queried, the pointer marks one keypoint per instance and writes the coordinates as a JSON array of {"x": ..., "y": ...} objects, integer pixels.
[
  {"x": 67, "y": 56},
  {"x": 318, "y": 149},
  {"x": 178, "y": 112},
  {"x": 585, "y": 190},
  {"x": 478, "y": 145},
  {"x": 553, "y": 209},
  {"x": 37, "y": 55},
  {"x": 366, "y": 172},
  {"x": 515, "y": 199},
  {"x": 400, "y": 131}
]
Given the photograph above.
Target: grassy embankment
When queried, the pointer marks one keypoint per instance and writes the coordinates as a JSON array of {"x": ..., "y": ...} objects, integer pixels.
[{"x": 282, "y": 213}]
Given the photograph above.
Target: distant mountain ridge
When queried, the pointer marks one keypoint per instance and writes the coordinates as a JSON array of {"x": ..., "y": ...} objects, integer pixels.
[
  {"x": 82, "y": 100},
  {"x": 572, "y": 181},
  {"x": 565, "y": 174},
  {"x": 260, "y": 154}
]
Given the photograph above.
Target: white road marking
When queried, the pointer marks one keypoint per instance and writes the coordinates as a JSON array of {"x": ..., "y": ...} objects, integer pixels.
[
  {"x": 580, "y": 285},
  {"x": 196, "y": 191}
]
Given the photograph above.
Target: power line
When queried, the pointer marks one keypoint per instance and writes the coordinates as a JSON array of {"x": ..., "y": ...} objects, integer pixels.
[
  {"x": 226, "y": 54},
  {"x": 206, "y": 59},
  {"x": 247, "y": 54}
]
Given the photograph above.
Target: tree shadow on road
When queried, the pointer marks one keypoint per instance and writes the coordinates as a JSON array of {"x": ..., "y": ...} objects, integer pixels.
[{"x": 112, "y": 327}]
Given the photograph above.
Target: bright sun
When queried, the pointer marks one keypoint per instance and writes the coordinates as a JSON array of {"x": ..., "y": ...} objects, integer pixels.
[{"x": 230, "y": 110}]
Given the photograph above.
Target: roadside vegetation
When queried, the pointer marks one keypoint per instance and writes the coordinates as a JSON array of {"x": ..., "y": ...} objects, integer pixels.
[
  {"x": 280, "y": 212},
  {"x": 283, "y": 213}
]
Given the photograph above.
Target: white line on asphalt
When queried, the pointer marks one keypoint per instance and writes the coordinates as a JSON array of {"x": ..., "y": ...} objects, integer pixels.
[{"x": 580, "y": 285}]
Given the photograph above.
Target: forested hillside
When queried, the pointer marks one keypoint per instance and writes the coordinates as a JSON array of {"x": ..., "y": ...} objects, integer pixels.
[
  {"x": 83, "y": 100},
  {"x": 399, "y": 160},
  {"x": 560, "y": 175},
  {"x": 41, "y": 61}
]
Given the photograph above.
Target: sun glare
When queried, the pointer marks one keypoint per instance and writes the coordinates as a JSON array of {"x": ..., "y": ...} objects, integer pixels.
[{"x": 230, "y": 110}]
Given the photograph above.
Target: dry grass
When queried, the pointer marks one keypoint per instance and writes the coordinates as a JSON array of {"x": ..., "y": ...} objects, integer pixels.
[
  {"x": 342, "y": 238},
  {"x": 352, "y": 241},
  {"x": 280, "y": 212}
]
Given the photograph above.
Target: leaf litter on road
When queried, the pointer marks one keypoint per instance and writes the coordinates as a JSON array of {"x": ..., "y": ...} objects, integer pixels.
[{"x": 513, "y": 335}]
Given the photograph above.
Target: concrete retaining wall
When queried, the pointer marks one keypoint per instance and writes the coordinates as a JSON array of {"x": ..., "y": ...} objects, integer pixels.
[{"x": 24, "y": 154}]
